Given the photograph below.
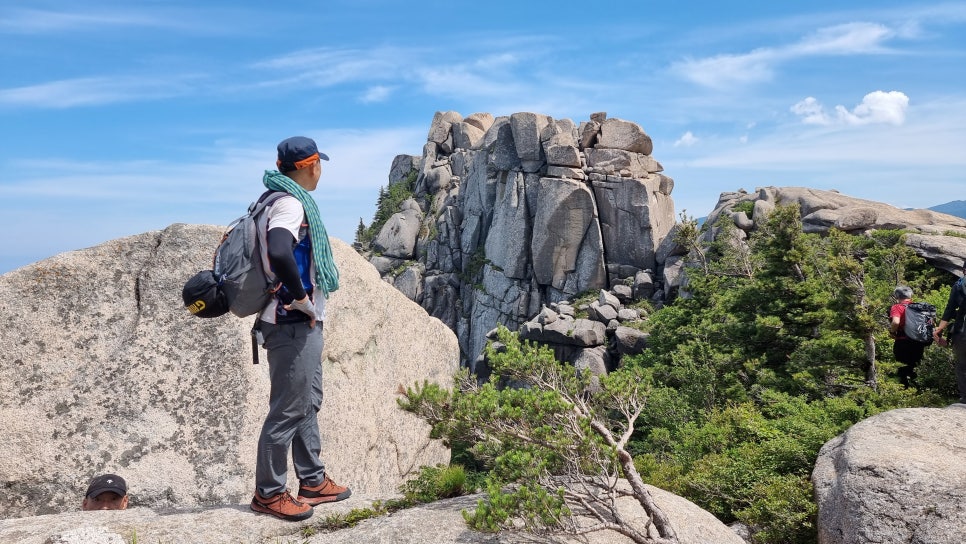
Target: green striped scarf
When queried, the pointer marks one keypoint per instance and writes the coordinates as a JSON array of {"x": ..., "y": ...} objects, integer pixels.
[{"x": 326, "y": 274}]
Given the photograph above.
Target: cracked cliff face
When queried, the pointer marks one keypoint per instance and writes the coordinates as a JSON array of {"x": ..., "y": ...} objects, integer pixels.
[
  {"x": 525, "y": 210},
  {"x": 105, "y": 371}
]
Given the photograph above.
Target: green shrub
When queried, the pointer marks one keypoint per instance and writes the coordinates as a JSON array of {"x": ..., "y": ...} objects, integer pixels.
[
  {"x": 439, "y": 482},
  {"x": 746, "y": 206}
]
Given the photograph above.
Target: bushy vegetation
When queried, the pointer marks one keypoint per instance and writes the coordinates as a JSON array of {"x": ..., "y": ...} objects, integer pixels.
[{"x": 772, "y": 348}]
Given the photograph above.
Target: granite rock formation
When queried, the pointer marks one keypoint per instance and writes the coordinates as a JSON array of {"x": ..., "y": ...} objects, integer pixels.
[
  {"x": 523, "y": 211},
  {"x": 105, "y": 371}
]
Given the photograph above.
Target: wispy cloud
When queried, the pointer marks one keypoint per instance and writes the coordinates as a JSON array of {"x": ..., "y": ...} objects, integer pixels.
[
  {"x": 876, "y": 108},
  {"x": 845, "y": 39},
  {"x": 723, "y": 71},
  {"x": 489, "y": 74},
  {"x": 327, "y": 67},
  {"x": 686, "y": 140},
  {"x": 35, "y": 20},
  {"x": 88, "y": 19},
  {"x": 376, "y": 93},
  {"x": 89, "y": 91}
]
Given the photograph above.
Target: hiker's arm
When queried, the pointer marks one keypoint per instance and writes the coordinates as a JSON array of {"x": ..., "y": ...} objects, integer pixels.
[
  {"x": 937, "y": 331},
  {"x": 894, "y": 325},
  {"x": 895, "y": 317},
  {"x": 949, "y": 313},
  {"x": 280, "y": 244}
]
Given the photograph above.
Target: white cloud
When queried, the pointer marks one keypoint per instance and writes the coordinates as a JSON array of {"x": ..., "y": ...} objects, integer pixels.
[
  {"x": 877, "y": 107},
  {"x": 687, "y": 140},
  {"x": 92, "y": 91},
  {"x": 34, "y": 20},
  {"x": 811, "y": 111},
  {"x": 377, "y": 93},
  {"x": 89, "y": 19},
  {"x": 486, "y": 75},
  {"x": 847, "y": 39},
  {"x": 729, "y": 70},
  {"x": 327, "y": 67}
]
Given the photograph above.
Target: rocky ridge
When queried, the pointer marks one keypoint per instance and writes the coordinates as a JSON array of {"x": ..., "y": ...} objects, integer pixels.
[{"x": 937, "y": 237}]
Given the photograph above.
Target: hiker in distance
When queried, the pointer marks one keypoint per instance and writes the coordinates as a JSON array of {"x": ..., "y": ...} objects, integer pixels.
[
  {"x": 291, "y": 325},
  {"x": 954, "y": 318},
  {"x": 105, "y": 492},
  {"x": 907, "y": 351}
]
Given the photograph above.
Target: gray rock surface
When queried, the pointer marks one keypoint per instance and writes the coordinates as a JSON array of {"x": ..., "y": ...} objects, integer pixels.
[
  {"x": 533, "y": 212},
  {"x": 630, "y": 341},
  {"x": 397, "y": 238},
  {"x": 437, "y": 523},
  {"x": 105, "y": 371},
  {"x": 896, "y": 477},
  {"x": 620, "y": 134}
]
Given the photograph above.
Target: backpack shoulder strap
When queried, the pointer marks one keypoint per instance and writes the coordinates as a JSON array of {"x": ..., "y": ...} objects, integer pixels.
[{"x": 267, "y": 199}]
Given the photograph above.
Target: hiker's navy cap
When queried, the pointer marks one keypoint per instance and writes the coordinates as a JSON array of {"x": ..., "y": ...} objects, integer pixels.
[
  {"x": 298, "y": 152},
  {"x": 104, "y": 483}
]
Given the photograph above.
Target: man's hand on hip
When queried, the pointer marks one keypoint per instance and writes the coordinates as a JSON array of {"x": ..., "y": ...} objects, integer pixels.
[{"x": 305, "y": 306}]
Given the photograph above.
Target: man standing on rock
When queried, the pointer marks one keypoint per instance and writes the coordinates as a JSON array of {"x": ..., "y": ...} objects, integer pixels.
[
  {"x": 955, "y": 313},
  {"x": 300, "y": 256}
]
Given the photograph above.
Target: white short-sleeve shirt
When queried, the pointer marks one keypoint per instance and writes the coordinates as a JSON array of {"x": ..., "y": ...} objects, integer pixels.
[{"x": 287, "y": 213}]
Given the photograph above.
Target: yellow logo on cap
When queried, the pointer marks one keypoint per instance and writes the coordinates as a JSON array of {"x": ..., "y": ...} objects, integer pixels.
[{"x": 196, "y": 306}]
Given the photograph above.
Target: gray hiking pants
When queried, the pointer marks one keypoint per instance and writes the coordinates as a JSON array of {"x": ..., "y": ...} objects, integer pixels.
[
  {"x": 295, "y": 369},
  {"x": 959, "y": 352}
]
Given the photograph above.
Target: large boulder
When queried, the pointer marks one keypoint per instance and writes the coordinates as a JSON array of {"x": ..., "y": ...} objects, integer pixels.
[
  {"x": 397, "y": 238},
  {"x": 566, "y": 244},
  {"x": 620, "y": 134},
  {"x": 104, "y": 371},
  {"x": 897, "y": 477},
  {"x": 439, "y": 522},
  {"x": 635, "y": 216}
]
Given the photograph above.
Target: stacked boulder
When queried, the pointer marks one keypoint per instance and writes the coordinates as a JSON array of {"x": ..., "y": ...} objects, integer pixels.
[
  {"x": 598, "y": 342},
  {"x": 511, "y": 214}
]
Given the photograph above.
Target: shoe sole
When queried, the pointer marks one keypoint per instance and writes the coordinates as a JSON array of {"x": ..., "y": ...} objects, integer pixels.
[
  {"x": 262, "y": 509},
  {"x": 321, "y": 499}
]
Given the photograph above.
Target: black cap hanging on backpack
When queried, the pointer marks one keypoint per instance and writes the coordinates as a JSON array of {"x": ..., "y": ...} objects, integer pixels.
[{"x": 203, "y": 296}]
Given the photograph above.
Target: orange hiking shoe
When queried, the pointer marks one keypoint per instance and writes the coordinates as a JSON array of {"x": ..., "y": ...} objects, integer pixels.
[
  {"x": 327, "y": 491},
  {"x": 282, "y": 506}
]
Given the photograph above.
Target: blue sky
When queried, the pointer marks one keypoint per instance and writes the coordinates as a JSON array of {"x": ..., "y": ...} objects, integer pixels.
[{"x": 123, "y": 117}]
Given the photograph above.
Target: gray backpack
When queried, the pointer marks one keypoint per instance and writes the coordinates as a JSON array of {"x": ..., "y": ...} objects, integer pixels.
[
  {"x": 920, "y": 318},
  {"x": 241, "y": 260},
  {"x": 241, "y": 280}
]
